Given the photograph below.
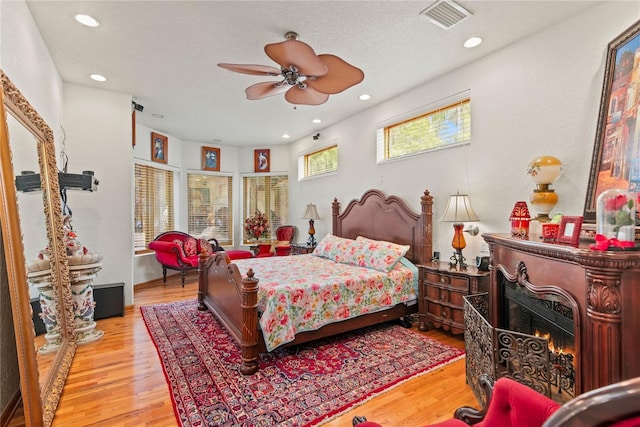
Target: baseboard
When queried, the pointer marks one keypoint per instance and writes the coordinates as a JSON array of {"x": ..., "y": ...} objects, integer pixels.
[{"x": 11, "y": 409}]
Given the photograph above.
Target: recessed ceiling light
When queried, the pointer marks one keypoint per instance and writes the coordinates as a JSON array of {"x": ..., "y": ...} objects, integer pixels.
[
  {"x": 285, "y": 136},
  {"x": 472, "y": 42},
  {"x": 157, "y": 115},
  {"x": 98, "y": 77},
  {"x": 87, "y": 20},
  {"x": 316, "y": 121},
  {"x": 364, "y": 97}
]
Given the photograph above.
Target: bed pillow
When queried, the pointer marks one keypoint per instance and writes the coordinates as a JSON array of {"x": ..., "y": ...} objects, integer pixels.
[
  {"x": 190, "y": 246},
  {"x": 379, "y": 254},
  {"x": 338, "y": 249},
  {"x": 205, "y": 246}
]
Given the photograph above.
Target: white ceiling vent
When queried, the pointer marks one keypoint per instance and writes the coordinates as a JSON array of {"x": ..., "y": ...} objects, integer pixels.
[{"x": 446, "y": 13}]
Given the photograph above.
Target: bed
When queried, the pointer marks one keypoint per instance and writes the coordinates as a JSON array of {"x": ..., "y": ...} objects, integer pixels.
[{"x": 234, "y": 298}]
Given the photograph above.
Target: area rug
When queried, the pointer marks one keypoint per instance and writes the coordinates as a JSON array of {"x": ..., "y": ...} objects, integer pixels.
[{"x": 300, "y": 386}]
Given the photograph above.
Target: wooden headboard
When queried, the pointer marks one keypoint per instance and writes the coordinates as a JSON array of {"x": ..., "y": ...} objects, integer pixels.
[{"x": 382, "y": 217}]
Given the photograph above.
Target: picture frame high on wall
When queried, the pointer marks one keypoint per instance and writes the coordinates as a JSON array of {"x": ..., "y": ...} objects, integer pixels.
[
  {"x": 616, "y": 160},
  {"x": 261, "y": 160},
  {"x": 211, "y": 159},
  {"x": 159, "y": 148}
]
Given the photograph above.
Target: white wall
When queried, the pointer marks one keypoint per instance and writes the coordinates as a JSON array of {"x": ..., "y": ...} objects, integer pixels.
[
  {"x": 538, "y": 96},
  {"x": 98, "y": 138}
]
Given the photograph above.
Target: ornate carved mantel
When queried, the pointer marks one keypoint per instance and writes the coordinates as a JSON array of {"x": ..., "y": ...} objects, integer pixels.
[{"x": 604, "y": 284}]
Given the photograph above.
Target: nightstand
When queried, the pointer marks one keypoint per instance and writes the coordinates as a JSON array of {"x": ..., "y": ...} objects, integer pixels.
[
  {"x": 301, "y": 248},
  {"x": 440, "y": 293}
]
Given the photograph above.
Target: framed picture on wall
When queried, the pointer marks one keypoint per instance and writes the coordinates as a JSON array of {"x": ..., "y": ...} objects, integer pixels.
[
  {"x": 211, "y": 159},
  {"x": 159, "y": 148},
  {"x": 261, "y": 160},
  {"x": 615, "y": 162}
]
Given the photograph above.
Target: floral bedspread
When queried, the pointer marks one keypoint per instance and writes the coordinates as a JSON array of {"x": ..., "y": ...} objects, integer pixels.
[{"x": 305, "y": 292}]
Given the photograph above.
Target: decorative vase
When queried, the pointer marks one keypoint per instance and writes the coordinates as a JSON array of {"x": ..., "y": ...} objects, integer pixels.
[
  {"x": 616, "y": 215},
  {"x": 544, "y": 170},
  {"x": 42, "y": 280}
]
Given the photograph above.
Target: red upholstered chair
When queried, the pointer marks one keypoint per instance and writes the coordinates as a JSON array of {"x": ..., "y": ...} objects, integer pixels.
[
  {"x": 176, "y": 250},
  {"x": 510, "y": 404},
  {"x": 284, "y": 233}
]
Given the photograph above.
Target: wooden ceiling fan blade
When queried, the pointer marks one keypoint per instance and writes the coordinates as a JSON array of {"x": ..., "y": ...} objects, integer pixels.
[
  {"x": 266, "y": 89},
  {"x": 296, "y": 53},
  {"x": 256, "y": 70},
  {"x": 341, "y": 76},
  {"x": 306, "y": 96}
]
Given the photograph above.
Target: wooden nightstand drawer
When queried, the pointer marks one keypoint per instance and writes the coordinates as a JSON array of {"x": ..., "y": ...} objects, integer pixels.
[
  {"x": 441, "y": 295},
  {"x": 447, "y": 281}
]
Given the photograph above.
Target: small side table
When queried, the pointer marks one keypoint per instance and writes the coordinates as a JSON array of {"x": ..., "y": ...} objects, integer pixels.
[{"x": 301, "y": 248}]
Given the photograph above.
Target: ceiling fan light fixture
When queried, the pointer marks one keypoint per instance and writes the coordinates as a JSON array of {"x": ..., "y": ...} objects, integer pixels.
[{"x": 307, "y": 78}]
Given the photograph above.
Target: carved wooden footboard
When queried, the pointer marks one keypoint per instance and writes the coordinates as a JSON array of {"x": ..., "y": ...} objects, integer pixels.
[{"x": 234, "y": 300}]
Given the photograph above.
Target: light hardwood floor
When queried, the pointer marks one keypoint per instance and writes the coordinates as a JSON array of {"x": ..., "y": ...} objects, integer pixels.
[{"x": 118, "y": 381}]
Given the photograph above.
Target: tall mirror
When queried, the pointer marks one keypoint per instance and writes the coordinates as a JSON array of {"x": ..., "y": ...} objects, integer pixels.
[{"x": 31, "y": 223}]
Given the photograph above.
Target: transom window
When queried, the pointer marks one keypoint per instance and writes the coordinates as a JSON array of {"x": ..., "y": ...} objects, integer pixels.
[
  {"x": 210, "y": 207},
  {"x": 319, "y": 162},
  {"x": 444, "y": 126},
  {"x": 268, "y": 195},
  {"x": 154, "y": 212}
]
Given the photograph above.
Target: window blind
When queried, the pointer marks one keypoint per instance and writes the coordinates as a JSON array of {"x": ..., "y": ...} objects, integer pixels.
[
  {"x": 154, "y": 211},
  {"x": 318, "y": 162},
  {"x": 210, "y": 207},
  {"x": 268, "y": 195}
]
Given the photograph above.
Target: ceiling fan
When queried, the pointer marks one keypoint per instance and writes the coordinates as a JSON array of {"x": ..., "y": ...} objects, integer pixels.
[{"x": 308, "y": 79}]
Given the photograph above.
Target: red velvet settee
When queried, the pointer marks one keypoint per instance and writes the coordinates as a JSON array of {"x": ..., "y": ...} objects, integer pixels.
[{"x": 176, "y": 250}]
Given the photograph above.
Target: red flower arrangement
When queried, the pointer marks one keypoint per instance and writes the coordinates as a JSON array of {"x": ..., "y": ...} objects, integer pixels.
[
  {"x": 257, "y": 225},
  {"x": 618, "y": 211}
]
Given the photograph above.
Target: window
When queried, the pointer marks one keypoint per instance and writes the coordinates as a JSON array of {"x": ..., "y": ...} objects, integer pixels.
[
  {"x": 445, "y": 126},
  {"x": 269, "y": 195},
  {"x": 210, "y": 207},
  {"x": 154, "y": 212},
  {"x": 318, "y": 162}
]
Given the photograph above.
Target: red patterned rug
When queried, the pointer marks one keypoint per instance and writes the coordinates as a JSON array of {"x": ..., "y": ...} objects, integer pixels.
[{"x": 300, "y": 386}]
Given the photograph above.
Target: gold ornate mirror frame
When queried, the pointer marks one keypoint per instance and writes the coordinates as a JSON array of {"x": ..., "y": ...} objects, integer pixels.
[{"x": 39, "y": 396}]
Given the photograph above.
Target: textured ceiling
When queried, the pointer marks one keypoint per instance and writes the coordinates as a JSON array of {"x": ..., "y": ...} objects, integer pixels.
[{"x": 165, "y": 53}]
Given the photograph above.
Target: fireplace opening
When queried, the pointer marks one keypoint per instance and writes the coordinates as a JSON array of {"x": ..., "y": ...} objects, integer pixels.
[{"x": 545, "y": 336}]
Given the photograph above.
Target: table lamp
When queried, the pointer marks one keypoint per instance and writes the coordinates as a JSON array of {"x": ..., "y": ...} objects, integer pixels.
[
  {"x": 458, "y": 211},
  {"x": 311, "y": 213}
]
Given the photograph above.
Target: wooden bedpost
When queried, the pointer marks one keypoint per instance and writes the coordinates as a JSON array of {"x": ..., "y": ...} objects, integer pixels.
[
  {"x": 202, "y": 280},
  {"x": 250, "y": 335},
  {"x": 335, "y": 211},
  {"x": 426, "y": 218}
]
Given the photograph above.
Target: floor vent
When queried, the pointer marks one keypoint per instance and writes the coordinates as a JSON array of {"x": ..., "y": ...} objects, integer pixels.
[{"x": 446, "y": 13}]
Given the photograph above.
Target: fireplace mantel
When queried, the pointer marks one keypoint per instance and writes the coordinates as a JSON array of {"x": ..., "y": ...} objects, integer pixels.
[{"x": 604, "y": 284}]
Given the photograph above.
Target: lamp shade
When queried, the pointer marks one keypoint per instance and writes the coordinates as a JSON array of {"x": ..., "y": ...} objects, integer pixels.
[
  {"x": 311, "y": 212},
  {"x": 459, "y": 209}
]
